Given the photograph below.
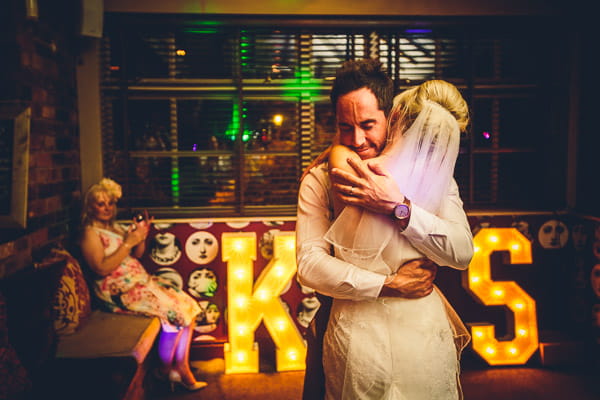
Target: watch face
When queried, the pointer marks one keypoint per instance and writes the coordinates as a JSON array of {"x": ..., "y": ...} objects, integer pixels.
[{"x": 401, "y": 211}]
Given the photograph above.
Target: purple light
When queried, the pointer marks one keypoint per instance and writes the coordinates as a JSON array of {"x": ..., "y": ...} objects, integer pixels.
[
  {"x": 417, "y": 31},
  {"x": 195, "y": 147},
  {"x": 486, "y": 135}
]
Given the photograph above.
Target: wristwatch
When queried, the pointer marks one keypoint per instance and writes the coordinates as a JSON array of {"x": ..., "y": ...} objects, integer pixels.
[{"x": 402, "y": 210}]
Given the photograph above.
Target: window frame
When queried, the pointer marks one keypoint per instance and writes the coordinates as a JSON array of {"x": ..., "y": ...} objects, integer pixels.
[{"x": 461, "y": 28}]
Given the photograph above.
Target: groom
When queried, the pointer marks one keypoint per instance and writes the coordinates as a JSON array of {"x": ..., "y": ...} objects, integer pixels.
[{"x": 362, "y": 96}]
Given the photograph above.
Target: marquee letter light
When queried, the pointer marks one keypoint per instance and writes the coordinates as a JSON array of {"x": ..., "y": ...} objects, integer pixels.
[
  {"x": 248, "y": 306},
  {"x": 507, "y": 293}
]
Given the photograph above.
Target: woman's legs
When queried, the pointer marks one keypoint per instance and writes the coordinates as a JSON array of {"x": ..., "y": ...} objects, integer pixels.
[
  {"x": 174, "y": 352},
  {"x": 182, "y": 354},
  {"x": 167, "y": 345}
]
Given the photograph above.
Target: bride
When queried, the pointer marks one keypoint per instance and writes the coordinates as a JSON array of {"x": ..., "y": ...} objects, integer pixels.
[{"x": 398, "y": 348}]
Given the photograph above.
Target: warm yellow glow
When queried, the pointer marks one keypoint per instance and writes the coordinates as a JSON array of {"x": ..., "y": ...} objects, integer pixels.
[
  {"x": 180, "y": 52},
  {"x": 262, "y": 294},
  {"x": 279, "y": 270},
  {"x": 238, "y": 245},
  {"x": 281, "y": 324},
  {"x": 242, "y": 329},
  {"x": 277, "y": 119},
  {"x": 240, "y": 273},
  {"x": 241, "y": 356},
  {"x": 290, "y": 243},
  {"x": 241, "y": 301},
  {"x": 293, "y": 355},
  {"x": 476, "y": 249},
  {"x": 260, "y": 301},
  {"x": 493, "y": 293},
  {"x": 522, "y": 332}
]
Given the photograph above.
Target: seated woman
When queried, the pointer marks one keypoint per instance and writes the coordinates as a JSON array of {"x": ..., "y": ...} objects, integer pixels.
[{"x": 123, "y": 285}]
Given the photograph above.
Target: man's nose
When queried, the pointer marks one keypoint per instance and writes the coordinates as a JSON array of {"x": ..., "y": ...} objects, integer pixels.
[{"x": 358, "y": 137}]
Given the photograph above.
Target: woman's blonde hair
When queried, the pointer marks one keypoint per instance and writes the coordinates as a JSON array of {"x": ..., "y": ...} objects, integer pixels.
[
  {"x": 106, "y": 185},
  {"x": 409, "y": 103}
]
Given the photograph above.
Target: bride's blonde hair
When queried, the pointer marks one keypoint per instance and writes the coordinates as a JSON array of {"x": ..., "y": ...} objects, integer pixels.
[{"x": 409, "y": 103}]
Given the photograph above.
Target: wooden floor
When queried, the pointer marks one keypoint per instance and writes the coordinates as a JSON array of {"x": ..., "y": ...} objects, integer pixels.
[{"x": 499, "y": 383}]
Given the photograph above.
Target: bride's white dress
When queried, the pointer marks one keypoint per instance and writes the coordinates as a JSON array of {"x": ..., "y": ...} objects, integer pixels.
[{"x": 392, "y": 348}]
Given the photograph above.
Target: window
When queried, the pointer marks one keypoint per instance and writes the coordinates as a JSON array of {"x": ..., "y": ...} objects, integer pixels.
[{"x": 219, "y": 118}]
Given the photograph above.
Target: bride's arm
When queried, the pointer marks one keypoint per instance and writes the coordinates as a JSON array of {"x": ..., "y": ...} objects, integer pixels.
[{"x": 338, "y": 158}]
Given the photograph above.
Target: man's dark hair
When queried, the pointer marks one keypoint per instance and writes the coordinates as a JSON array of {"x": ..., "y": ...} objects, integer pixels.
[{"x": 369, "y": 73}]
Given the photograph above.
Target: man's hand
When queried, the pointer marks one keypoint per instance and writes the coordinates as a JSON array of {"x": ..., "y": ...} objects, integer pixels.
[
  {"x": 370, "y": 186},
  {"x": 413, "y": 280}
]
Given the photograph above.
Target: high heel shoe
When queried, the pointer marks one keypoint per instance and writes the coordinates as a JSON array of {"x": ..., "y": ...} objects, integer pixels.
[{"x": 175, "y": 378}]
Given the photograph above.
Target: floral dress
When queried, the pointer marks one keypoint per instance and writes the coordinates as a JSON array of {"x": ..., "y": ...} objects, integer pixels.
[{"x": 131, "y": 289}]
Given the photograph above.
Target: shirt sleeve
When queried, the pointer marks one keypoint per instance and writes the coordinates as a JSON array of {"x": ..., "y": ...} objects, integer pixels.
[
  {"x": 317, "y": 268},
  {"x": 445, "y": 239}
]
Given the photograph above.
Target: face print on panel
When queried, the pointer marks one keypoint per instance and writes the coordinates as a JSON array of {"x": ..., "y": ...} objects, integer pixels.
[
  {"x": 595, "y": 280},
  {"x": 166, "y": 249},
  {"x": 202, "y": 283},
  {"x": 170, "y": 276},
  {"x": 579, "y": 236},
  {"x": 307, "y": 309},
  {"x": 596, "y": 315},
  {"x": 266, "y": 243},
  {"x": 553, "y": 234},
  {"x": 201, "y": 247},
  {"x": 207, "y": 320},
  {"x": 523, "y": 228}
]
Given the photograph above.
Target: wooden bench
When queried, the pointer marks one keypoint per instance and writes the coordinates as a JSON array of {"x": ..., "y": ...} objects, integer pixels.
[
  {"x": 110, "y": 355},
  {"x": 105, "y": 356}
]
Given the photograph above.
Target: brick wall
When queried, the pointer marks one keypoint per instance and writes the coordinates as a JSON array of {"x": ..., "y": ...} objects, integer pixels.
[{"x": 40, "y": 72}]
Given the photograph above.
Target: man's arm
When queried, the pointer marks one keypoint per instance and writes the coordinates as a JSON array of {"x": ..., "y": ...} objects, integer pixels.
[
  {"x": 318, "y": 269},
  {"x": 445, "y": 239}
]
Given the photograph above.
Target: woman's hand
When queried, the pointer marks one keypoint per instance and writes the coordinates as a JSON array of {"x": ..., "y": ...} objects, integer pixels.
[{"x": 138, "y": 230}]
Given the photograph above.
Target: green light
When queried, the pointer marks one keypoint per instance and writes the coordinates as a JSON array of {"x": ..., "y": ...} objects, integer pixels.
[
  {"x": 175, "y": 183},
  {"x": 201, "y": 31},
  {"x": 207, "y": 23},
  {"x": 245, "y": 137},
  {"x": 234, "y": 124}
]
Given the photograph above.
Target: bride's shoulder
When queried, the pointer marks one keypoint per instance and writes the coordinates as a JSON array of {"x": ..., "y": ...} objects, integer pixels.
[{"x": 338, "y": 158}]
